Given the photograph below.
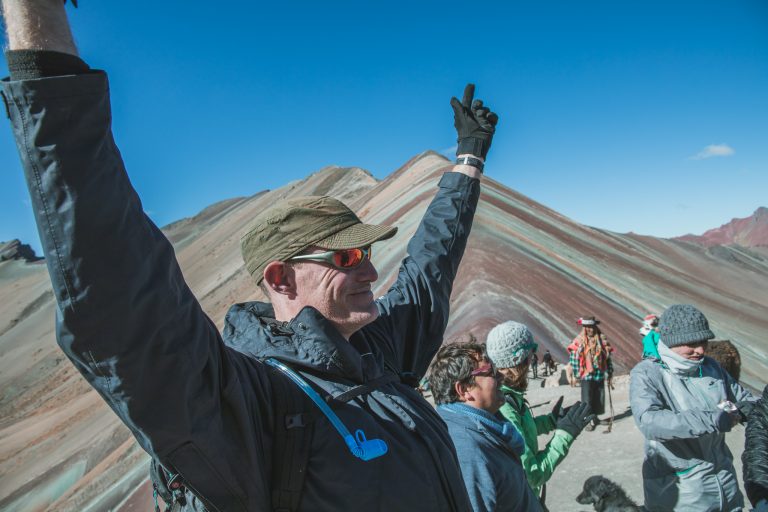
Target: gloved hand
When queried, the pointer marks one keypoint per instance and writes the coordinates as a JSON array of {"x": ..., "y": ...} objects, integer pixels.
[
  {"x": 557, "y": 409},
  {"x": 745, "y": 409},
  {"x": 579, "y": 416},
  {"x": 475, "y": 124}
]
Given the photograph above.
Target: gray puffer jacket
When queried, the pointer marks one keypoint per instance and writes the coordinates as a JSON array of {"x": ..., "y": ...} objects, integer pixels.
[{"x": 687, "y": 466}]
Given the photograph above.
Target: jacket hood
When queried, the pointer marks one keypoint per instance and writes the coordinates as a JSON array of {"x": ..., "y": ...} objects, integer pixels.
[{"x": 309, "y": 341}]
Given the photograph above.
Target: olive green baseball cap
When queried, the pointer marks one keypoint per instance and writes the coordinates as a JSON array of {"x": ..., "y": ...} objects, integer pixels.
[{"x": 294, "y": 225}]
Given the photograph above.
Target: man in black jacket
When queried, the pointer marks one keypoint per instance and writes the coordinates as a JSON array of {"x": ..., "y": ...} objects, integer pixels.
[
  {"x": 755, "y": 456},
  {"x": 131, "y": 326}
]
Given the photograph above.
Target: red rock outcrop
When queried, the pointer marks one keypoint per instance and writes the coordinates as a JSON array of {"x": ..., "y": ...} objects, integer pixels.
[{"x": 748, "y": 232}]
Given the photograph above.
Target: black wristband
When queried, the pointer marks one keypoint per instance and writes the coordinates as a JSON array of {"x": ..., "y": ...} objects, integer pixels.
[
  {"x": 470, "y": 160},
  {"x": 472, "y": 146},
  {"x": 32, "y": 64}
]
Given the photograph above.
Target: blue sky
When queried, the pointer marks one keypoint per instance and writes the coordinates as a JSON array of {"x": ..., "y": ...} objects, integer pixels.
[{"x": 646, "y": 116}]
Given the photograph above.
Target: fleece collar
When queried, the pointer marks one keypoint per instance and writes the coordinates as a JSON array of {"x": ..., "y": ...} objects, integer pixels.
[
  {"x": 501, "y": 429},
  {"x": 308, "y": 341}
]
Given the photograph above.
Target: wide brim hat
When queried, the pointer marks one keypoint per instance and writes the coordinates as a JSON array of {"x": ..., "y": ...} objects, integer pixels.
[
  {"x": 294, "y": 225},
  {"x": 588, "y": 320}
]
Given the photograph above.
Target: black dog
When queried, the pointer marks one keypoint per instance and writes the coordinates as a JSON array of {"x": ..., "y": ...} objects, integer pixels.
[{"x": 606, "y": 496}]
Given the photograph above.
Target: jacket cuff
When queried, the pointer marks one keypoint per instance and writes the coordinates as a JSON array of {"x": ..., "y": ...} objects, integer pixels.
[
  {"x": 456, "y": 180},
  {"x": 565, "y": 435},
  {"x": 31, "y": 64}
]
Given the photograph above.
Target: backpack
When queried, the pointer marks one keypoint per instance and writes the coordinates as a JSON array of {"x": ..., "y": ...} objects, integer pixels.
[{"x": 293, "y": 429}]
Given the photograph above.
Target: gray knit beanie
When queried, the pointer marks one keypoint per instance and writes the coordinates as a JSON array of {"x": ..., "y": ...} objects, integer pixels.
[
  {"x": 682, "y": 324},
  {"x": 509, "y": 344}
]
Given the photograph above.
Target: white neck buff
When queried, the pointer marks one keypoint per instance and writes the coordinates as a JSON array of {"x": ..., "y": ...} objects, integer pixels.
[{"x": 677, "y": 363}]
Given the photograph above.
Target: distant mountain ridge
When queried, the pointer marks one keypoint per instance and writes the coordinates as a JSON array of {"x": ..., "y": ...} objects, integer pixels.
[
  {"x": 62, "y": 448},
  {"x": 751, "y": 231}
]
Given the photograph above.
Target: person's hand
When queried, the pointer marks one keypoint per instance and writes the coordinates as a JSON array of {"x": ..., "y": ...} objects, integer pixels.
[
  {"x": 579, "y": 416},
  {"x": 736, "y": 418},
  {"x": 744, "y": 409},
  {"x": 475, "y": 124},
  {"x": 556, "y": 410}
]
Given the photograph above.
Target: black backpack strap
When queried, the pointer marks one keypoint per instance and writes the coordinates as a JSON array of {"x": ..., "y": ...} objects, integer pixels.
[
  {"x": 294, "y": 425},
  {"x": 363, "y": 389}
]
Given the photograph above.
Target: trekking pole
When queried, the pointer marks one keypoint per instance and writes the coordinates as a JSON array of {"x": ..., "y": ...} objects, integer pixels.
[{"x": 610, "y": 405}]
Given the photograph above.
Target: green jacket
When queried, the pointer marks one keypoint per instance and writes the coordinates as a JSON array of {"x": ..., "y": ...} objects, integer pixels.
[
  {"x": 538, "y": 465},
  {"x": 650, "y": 341}
]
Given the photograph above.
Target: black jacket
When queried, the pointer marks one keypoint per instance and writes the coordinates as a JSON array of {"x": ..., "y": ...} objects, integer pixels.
[
  {"x": 755, "y": 456},
  {"x": 132, "y": 327}
]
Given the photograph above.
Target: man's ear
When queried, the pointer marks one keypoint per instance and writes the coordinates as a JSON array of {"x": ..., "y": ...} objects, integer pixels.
[
  {"x": 462, "y": 391},
  {"x": 278, "y": 277}
]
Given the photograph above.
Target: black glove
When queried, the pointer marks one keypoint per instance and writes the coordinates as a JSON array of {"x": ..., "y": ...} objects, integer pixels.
[
  {"x": 557, "y": 409},
  {"x": 579, "y": 416},
  {"x": 475, "y": 124},
  {"x": 745, "y": 409}
]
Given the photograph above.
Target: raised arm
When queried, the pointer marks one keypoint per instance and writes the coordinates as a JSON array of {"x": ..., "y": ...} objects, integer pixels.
[
  {"x": 125, "y": 318},
  {"x": 38, "y": 25},
  {"x": 414, "y": 312}
]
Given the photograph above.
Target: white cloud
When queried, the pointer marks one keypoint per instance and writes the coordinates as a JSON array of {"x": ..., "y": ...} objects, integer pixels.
[
  {"x": 449, "y": 152},
  {"x": 713, "y": 150}
]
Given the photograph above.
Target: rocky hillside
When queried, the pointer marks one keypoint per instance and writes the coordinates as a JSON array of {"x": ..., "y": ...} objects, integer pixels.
[
  {"x": 15, "y": 250},
  {"x": 748, "y": 232},
  {"x": 61, "y": 448}
]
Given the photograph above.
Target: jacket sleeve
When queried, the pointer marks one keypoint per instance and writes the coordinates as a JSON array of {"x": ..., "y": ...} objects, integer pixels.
[
  {"x": 539, "y": 465},
  {"x": 125, "y": 317},
  {"x": 482, "y": 485},
  {"x": 755, "y": 456},
  {"x": 414, "y": 312},
  {"x": 544, "y": 423},
  {"x": 658, "y": 422},
  {"x": 736, "y": 392}
]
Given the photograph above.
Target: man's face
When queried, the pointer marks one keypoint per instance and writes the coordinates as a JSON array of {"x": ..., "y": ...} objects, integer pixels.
[
  {"x": 590, "y": 330},
  {"x": 486, "y": 393},
  {"x": 692, "y": 351},
  {"x": 344, "y": 297}
]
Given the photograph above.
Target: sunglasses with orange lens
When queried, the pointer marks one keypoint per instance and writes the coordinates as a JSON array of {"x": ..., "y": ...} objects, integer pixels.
[
  {"x": 343, "y": 259},
  {"x": 487, "y": 370}
]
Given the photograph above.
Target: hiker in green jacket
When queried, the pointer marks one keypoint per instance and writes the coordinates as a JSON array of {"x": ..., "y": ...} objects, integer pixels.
[
  {"x": 650, "y": 333},
  {"x": 509, "y": 346}
]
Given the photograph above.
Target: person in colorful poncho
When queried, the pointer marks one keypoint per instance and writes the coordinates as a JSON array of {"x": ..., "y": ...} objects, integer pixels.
[{"x": 590, "y": 357}]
